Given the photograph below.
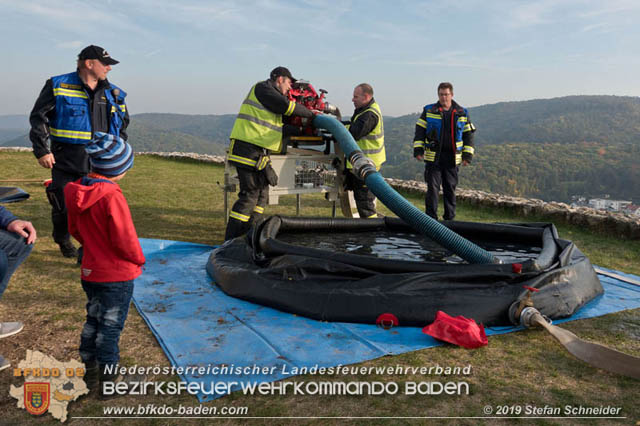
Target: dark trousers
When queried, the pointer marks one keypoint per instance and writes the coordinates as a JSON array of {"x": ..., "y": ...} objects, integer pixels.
[
  {"x": 435, "y": 175},
  {"x": 365, "y": 200},
  {"x": 252, "y": 199},
  {"x": 13, "y": 251},
  {"x": 55, "y": 194},
  {"x": 107, "y": 310}
]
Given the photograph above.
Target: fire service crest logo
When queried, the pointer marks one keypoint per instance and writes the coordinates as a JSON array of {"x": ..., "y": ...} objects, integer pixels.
[{"x": 36, "y": 397}]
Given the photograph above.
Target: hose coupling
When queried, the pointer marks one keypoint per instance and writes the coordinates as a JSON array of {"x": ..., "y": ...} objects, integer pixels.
[
  {"x": 363, "y": 166},
  {"x": 332, "y": 109},
  {"x": 527, "y": 315}
]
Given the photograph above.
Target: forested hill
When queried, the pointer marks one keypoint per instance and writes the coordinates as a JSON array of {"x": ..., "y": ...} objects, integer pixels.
[
  {"x": 542, "y": 148},
  {"x": 204, "y": 134},
  {"x": 569, "y": 119}
]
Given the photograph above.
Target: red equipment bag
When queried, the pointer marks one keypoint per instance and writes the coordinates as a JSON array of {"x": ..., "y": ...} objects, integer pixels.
[{"x": 460, "y": 331}]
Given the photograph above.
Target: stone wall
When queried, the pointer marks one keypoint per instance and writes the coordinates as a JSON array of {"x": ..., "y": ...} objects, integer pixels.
[
  {"x": 15, "y": 148},
  {"x": 216, "y": 159},
  {"x": 206, "y": 158},
  {"x": 623, "y": 225}
]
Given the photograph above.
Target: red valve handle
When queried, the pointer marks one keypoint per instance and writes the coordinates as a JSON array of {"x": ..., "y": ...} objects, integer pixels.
[{"x": 387, "y": 321}]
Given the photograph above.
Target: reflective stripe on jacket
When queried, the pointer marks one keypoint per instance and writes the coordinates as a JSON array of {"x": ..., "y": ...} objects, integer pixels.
[
  {"x": 247, "y": 155},
  {"x": 372, "y": 145},
  {"x": 434, "y": 136},
  {"x": 72, "y": 122},
  {"x": 257, "y": 125}
]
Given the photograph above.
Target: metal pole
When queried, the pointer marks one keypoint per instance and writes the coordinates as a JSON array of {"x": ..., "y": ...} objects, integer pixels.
[
  {"x": 23, "y": 180},
  {"x": 226, "y": 198}
]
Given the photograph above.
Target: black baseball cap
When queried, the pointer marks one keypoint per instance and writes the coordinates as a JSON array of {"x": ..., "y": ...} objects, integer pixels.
[
  {"x": 97, "y": 52},
  {"x": 281, "y": 71}
]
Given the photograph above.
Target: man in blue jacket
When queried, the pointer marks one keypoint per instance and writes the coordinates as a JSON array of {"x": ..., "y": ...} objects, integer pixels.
[
  {"x": 443, "y": 140},
  {"x": 71, "y": 108},
  {"x": 16, "y": 241}
]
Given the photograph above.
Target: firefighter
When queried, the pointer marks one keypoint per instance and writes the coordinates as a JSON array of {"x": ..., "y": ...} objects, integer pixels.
[
  {"x": 367, "y": 129},
  {"x": 70, "y": 109},
  {"x": 443, "y": 139},
  {"x": 257, "y": 131}
]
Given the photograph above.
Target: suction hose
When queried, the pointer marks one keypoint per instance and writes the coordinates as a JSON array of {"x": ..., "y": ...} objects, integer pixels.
[{"x": 419, "y": 221}]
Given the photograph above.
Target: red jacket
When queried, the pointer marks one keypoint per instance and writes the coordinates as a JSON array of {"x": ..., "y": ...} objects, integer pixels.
[{"x": 99, "y": 218}]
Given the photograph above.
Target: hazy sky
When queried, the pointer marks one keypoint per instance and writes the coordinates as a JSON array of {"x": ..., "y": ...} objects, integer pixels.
[{"x": 201, "y": 57}]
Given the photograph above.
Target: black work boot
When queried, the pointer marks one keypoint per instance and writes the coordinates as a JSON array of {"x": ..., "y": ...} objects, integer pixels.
[
  {"x": 68, "y": 249},
  {"x": 235, "y": 228},
  {"x": 91, "y": 376}
]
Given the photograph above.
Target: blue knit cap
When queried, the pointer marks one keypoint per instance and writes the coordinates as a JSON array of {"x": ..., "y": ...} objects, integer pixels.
[{"x": 109, "y": 155}]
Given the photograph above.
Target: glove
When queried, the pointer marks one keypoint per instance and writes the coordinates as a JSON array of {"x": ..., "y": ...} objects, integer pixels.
[
  {"x": 306, "y": 121},
  {"x": 272, "y": 176},
  {"x": 467, "y": 157}
]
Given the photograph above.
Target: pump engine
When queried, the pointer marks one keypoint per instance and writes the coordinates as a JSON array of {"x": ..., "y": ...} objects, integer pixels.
[{"x": 302, "y": 92}]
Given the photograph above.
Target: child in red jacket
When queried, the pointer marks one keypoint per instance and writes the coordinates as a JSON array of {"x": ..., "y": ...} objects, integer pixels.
[{"x": 99, "y": 218}]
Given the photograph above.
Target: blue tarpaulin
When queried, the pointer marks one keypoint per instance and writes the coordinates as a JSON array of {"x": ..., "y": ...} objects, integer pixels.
[
  {"x": 197, "y": 325},
  {"x": 12, "y": 194}
]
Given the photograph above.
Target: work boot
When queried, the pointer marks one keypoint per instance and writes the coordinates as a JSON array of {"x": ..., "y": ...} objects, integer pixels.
[
  {"x": 92, "y": 376},
  {"x": 10, "y": 328},
  {"x": 117, "y": 378},
  {"x": 68, "y": 249},
  {"x": 4, "y": 363}
]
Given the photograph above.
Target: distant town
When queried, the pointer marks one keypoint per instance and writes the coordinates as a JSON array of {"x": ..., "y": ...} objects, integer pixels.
[{"x": 607, "y": 204}]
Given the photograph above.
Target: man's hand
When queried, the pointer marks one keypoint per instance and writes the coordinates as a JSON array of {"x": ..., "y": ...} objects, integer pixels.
[
  {"x": 24, "y": 229},
  {"x": 308, "y": 121},
  {"x": 465, "y": 162},
  {"x": 47, "y": 161},
  {"x": 420, "y": 157}
]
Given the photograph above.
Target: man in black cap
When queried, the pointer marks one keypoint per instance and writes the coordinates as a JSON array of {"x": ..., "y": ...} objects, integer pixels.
[
  {"x": 257, "y": 131},
  {"x": 70, "y": 109}
]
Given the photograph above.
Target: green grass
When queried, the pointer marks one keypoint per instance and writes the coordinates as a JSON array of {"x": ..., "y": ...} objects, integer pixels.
[{"x": 180, "y": 200}]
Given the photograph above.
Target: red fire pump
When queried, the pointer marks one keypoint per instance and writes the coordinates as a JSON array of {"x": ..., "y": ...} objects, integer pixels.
[{"x": 302, "y": 92}]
